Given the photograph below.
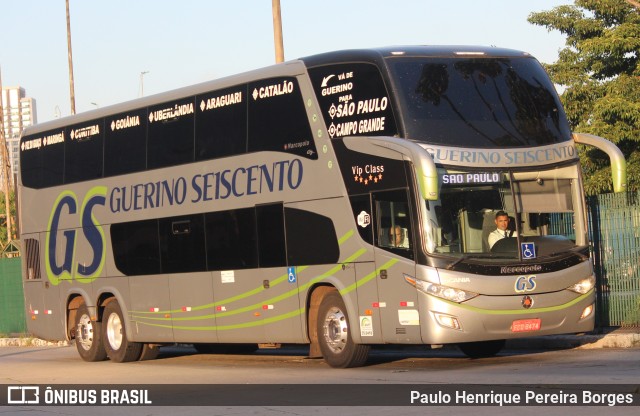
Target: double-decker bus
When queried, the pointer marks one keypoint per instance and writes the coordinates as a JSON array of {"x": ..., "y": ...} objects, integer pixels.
[{"x": 344, "y": 200}]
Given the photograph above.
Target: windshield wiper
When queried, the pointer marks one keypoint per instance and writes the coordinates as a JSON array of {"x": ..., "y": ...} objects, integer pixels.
[{"x": 478, "y": 256}]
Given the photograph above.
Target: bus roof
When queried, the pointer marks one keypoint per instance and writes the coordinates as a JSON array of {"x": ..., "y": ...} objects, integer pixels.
[
  {"x": 289, "y": 68},
  {"x": 378, "y": 54}
]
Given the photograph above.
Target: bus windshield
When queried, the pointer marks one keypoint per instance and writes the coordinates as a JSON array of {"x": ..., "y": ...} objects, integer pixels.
[
  {"x": 478, "y": 102},
  {"x": 487, "y": 214}
]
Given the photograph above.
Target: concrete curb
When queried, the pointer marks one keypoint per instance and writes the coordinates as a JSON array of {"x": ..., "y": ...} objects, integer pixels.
[
  {"x": 31, "y": 342},
  {"x": 589, "y": 341},
  {"x": 611, "y": 340}
]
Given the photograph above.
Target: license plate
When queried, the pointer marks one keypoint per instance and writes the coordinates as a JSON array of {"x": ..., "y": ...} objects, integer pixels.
[{"x": 526, "y": 325}]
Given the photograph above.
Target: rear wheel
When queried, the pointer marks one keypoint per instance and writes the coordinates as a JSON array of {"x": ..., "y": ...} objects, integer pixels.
[
  {"x": 118, "y": 348},
  {"x": 149, "y": 352},
  {"x": 334, "y": 334},
  {"x": 482, "y": 349},
  {"x": 88, "y": 336}
]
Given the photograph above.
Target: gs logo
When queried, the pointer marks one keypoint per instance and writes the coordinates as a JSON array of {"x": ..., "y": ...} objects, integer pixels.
[
  {"x": 525, "y": 284},
  {"x": 67, "y": 204}
]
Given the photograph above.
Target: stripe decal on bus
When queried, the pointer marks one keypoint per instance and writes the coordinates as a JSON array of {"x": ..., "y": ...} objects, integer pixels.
[
  {"x": 144, "y": 318},
  {"x": 252, "y": 292},
  {"x": 276, "y": 318},
  {"x": 290, "y": 293}
]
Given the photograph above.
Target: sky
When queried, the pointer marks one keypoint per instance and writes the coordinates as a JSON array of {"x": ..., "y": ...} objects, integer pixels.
[{"x": 185, "y": 42}]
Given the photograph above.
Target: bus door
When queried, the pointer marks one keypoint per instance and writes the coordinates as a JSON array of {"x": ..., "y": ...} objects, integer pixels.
[
  {"x": 394, "y": 260},
  {"x": 255, "y": 292},
  {"x": 183, "y": 253}
]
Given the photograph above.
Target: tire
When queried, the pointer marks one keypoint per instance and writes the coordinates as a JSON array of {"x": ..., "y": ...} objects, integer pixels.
[
  {"x": 119, "y": 349},
  {"x": 88, "y": 335},
  {"x": 482, "y": 349},
  {"x": 334, "y": 334},
  {"x": 149, "y": 352}
]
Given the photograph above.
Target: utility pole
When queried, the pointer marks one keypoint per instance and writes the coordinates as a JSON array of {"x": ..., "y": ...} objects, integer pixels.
[
  {"x": 71, "y": 84},
  {"x": 6, "y": 165},
  {"x": 142, "y": 74},
  {"x": 277, "y": 30}
]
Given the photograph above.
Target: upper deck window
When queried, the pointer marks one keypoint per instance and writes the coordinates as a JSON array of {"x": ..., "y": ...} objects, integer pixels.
[{"x": 478, "y": 102}]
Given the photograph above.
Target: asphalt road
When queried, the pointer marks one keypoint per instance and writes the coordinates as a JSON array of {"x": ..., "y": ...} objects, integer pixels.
[{"x": 180, "y": 366}]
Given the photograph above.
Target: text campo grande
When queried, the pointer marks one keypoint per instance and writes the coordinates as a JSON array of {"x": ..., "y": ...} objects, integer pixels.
[{"x": 529, "y": 397}]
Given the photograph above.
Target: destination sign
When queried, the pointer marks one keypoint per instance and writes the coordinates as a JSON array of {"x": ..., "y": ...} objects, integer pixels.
[
  {"x": 471, "y": 178},
  {"x": 354, "y": 100}
]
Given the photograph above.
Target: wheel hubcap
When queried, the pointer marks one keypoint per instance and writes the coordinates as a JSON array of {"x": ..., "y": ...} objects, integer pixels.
[
  {"x": 114, "y": 331},
  {"x": 84, "y": 332},
  {"x": 336, "y": 330}
]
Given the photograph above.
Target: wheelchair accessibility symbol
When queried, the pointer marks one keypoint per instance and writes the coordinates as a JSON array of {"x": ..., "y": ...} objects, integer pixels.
[
  {"x": 528, "y": 250},
  {"x": 292, "y": 275}
]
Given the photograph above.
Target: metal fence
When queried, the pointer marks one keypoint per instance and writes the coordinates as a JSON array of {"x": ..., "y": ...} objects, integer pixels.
[
  {"x": 615, "y": 232},
  {"x": 12, "y": 312}
]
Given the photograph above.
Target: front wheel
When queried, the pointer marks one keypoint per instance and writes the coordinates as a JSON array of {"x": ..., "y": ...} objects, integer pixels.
[
  {"x": 118, "y": 348},
  {"x": 334, "y": 334},
  {"x": 88, "y": 336},
  {"x": 482, "y": 349}
]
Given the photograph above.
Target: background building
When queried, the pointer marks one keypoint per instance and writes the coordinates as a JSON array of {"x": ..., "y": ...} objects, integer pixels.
[{"x": 19, "y": 111}]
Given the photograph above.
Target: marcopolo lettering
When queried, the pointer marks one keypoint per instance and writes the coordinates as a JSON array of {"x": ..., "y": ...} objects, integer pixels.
[{"x": 67, "y": 205}]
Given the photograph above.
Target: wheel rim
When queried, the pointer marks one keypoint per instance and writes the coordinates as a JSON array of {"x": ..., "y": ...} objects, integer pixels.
[
  {"x": 114, "y": 331},
  {"x": 84, "y": 332},
  {"x": 336, "y": 330}
]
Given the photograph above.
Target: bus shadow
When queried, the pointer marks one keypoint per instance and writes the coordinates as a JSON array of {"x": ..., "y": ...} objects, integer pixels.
[{"x": 379, "y": 355}]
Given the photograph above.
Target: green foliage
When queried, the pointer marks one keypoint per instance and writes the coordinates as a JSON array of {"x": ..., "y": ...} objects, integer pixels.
[
  {"x": 3, "y": 220},
  {"x": 600, "y": 70}
]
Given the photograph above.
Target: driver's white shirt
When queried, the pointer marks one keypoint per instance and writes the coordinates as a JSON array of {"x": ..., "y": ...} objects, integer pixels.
[{"x": 499, "y": 234}]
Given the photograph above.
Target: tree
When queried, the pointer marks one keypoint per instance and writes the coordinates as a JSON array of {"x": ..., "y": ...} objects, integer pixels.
[
  {"x": 600, "y": 70},
  {"x": 3, "y": 220}
]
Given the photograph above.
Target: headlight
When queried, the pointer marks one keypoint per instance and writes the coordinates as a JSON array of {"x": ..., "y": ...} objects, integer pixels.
[
  {"x": 443, "y": 292},
  {"x": 584, "y": 285}
]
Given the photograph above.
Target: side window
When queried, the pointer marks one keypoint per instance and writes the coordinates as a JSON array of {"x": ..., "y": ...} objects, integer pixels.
[
  {"x": 32, "y": 252},
  {"x": 311, "y": 238},
  {"x": 271, "y": 242},
  {"x": 42, "y": 159},
  {"x": 231, "y": 239},
  {"x": 125, "y": 147},
  {"x": 278, "y": 118},
  {"x": 83, "y": 152},
  {"x": 393, "y": 222},
  {"x": 182, "y": 246},
  {"x": 170, "y": 137},
  {"x": 221, "y": 123},
  {"x": 136, "y": 248}
]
